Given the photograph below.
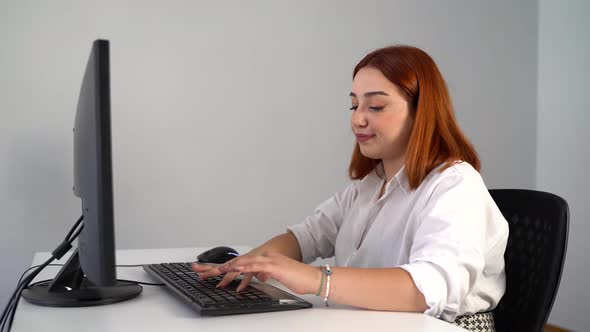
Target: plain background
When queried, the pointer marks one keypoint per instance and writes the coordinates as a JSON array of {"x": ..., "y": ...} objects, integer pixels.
[
  {"x": 230, "y": 119},
  {"x": 563, "y": 154}
]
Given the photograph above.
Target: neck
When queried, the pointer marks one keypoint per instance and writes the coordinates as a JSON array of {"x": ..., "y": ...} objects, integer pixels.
[{"x": 392, "y": 166}]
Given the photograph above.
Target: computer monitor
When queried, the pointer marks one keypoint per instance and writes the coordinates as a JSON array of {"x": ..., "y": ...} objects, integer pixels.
[{"x": 89, "y": 276}]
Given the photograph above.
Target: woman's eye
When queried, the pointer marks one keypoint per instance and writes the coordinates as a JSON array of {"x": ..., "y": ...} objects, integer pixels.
[{"x": 372, "y": 108}]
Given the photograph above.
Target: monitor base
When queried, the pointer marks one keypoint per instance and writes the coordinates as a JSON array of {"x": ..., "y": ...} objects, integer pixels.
[
  {"x": 85, "y": 296},
  {"x": 71, "y": 288}
]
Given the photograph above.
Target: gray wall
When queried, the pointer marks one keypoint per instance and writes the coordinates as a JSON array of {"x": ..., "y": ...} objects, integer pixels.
[
  {"x": 230, "y": 120},
  {"x": 562, "y": 142}
]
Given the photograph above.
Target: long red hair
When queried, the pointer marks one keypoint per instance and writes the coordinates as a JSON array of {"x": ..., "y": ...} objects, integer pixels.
[{"x": 435, "y": 138}]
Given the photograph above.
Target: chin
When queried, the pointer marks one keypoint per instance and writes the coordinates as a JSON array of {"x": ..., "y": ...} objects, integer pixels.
[{"x": 370, "y": 154}]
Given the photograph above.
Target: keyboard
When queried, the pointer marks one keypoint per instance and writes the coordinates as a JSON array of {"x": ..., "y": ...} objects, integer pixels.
[{"x": 203, "y": 296}]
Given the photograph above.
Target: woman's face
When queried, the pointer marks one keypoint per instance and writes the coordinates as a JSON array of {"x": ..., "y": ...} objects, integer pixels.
[{"x": 381, "y": 118}]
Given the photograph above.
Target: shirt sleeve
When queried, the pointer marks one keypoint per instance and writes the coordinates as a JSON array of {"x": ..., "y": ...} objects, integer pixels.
[
  {"x": 317, "y": 233},
  {"x": 448, "y": 254}
]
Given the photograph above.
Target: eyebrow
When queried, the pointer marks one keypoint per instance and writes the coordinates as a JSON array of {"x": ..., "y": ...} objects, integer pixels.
[{"x": 371, "y": 93}]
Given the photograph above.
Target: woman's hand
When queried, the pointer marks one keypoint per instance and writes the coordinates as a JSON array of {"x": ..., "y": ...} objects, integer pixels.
[
  {"x": 212, "y": 270},
  {"x": 296, "y": 276}
]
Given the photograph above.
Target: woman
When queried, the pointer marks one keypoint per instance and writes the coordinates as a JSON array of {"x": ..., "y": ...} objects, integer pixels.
[{"x": 416, "y": 230}]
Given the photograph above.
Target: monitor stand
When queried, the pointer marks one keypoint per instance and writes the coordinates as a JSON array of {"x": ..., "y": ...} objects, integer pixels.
[{"x": 70, "y": 288}]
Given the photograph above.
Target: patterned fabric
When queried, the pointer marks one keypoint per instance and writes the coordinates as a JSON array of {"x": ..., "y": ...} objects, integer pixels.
[{"x": 479, "y": 322}]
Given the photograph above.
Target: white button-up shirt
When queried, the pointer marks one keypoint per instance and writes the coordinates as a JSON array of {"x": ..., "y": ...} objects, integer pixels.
[{"x": 448, "y": 234}]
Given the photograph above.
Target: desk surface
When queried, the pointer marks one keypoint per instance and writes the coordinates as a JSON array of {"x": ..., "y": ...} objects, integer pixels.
[{"x": 157, "y": 310}]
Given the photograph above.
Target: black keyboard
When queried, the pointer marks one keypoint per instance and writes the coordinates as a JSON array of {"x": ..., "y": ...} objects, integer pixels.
[{"x": 203, "y": 295}]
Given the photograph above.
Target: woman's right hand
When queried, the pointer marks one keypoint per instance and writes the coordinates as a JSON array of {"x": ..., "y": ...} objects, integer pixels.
[
  {"x": 285, "y": 244},
  {"x": 211, "y": 270}
]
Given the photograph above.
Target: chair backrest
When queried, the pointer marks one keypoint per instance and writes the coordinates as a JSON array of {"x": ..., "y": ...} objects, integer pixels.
[{"x": 538, "y": 223}]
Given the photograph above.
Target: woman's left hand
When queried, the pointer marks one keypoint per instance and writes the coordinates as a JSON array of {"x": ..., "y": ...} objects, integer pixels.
[{"x": 296, "y": 276}]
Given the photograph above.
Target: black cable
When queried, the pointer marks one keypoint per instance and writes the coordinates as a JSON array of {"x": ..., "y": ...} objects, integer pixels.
[
  {"x": 13, "y": 310},
  {"x": 13, "y": 302},
  {"x": 70, "y": 240},
  {"x": 130, "y": 265},
  {"x": 74, "y": 227},
  {"x": 142, "y": 282},
  {"x": 32, "y": 267},
  {"x": 9, "y": 311},
  {"x": 9, "y": 306}
]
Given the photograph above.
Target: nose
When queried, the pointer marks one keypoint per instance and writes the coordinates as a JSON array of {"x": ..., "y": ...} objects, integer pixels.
[{"x": 358, "y": 119}]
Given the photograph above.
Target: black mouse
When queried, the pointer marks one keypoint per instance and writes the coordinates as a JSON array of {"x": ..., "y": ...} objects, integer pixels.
[{"x": 218, "y": 255}]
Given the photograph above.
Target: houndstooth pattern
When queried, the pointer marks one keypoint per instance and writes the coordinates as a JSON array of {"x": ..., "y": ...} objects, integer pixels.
[{"x": 479, "y": 322}]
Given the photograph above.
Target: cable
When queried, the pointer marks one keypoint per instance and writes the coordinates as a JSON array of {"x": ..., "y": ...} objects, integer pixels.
[
  {"x": 32, "y": 267},
  {"x": 142, "y": 282},
  {"x": 74, "y": 227},
  {"x": 10, "y": 308},
  {"x": 130, "y": 265},
  {"x": 13, "y": 312},
  {"x": 9, "y": 311},
  {"x": 75, "y": 235}
]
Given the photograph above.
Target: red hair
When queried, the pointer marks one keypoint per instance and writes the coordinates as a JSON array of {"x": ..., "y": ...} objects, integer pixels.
[{"x": 435, "y": 138}]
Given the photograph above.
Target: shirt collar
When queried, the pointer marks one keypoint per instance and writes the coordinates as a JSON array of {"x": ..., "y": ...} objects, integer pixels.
[
  {"x": 370, "y": 181},
  {"x": 374, "y": 178},
  {"x": 401, "y": 177}
]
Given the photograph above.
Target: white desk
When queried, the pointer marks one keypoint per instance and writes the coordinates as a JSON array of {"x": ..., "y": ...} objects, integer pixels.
[{"x": 155, "y": 309}]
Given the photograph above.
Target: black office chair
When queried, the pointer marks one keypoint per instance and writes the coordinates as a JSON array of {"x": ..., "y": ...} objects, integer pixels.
[{"x": 538, "y": 223}]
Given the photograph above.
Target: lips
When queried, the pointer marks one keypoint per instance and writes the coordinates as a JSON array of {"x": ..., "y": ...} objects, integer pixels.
[{"x": 363, "y": 137}]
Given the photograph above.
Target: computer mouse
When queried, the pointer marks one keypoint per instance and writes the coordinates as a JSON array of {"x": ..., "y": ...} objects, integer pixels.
[{"x": 218, "y": 255}]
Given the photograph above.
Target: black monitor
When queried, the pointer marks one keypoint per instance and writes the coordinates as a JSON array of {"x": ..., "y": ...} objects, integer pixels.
[{"x": 89, "y": 276}]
